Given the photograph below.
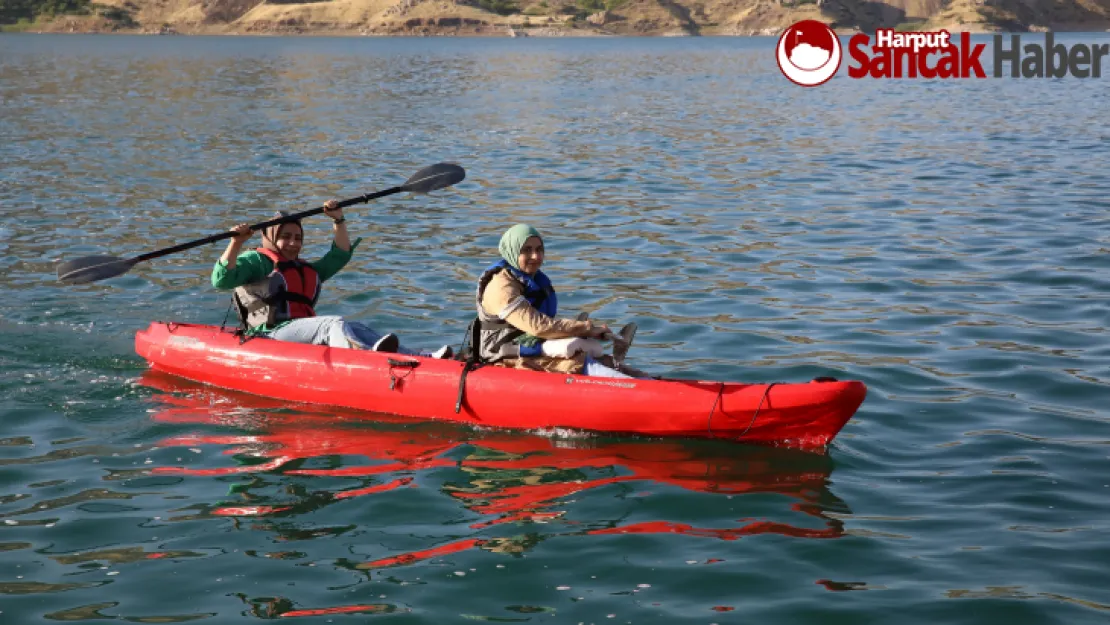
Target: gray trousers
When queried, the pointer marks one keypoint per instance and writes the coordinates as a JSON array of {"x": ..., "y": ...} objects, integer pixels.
[{"x": 332, "y": 331}]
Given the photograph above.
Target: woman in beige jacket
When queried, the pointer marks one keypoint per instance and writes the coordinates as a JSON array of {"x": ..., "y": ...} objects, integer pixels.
[{"x": 517, "y": 309}]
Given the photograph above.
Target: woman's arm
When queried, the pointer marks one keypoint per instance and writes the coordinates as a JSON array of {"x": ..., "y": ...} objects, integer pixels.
[
  {"x": 336, "y": 259},
  {"x": 234, "y": 269},
  {"x": 242, "y": 232},
  {"x": 339, "y": 225},
  {"x": 341, "y": 249},
  {"x": 504, "y": 298}
]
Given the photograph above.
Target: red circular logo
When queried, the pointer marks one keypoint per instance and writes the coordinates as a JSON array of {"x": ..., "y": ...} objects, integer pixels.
[{"x": 808, "y": 53}]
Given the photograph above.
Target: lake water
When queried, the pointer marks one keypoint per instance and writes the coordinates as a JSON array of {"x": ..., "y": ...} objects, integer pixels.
[{"x": 945, "y": 242}]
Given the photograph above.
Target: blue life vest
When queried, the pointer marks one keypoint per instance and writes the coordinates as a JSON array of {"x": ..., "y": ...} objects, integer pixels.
[
  {"x": 539, "y": 292},
  {"x": 538, "y": 289}
]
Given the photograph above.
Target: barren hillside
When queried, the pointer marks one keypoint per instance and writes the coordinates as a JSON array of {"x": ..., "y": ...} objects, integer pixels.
[{"x": 546, "y": 17}]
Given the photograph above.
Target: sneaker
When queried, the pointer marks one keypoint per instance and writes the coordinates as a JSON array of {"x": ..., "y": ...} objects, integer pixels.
[
  {"x": 443, "y": 352},
  {"x": 388, "y": 343}
]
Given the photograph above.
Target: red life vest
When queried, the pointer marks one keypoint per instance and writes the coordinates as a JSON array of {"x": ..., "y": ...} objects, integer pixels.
[{"x": 301, "y": 287}]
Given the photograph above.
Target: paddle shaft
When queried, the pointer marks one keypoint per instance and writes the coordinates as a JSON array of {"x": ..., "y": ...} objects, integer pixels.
[{"x": 259, "y": 226}]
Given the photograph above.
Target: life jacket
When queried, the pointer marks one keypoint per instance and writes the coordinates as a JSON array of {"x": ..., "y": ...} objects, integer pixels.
[
  {"x": 289, "y": 292},
  {"x": 496, "y": 339}
]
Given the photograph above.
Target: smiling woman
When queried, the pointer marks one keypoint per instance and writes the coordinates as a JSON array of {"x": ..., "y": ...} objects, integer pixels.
[
  {"x": 517, "y": 324},
  {"x": 272, "y": 284},
  {"x": 275, "y": 291}
]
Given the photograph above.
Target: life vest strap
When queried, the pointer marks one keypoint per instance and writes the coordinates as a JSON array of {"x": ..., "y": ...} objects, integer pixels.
[
  {"x": 277, "y": 300},
  {"x": 296, "y": 298}
]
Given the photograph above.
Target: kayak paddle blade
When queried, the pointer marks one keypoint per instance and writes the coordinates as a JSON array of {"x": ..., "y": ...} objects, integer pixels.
[
  {"x": 92, "y": 268},
  {"x": 433, "y": 177}
]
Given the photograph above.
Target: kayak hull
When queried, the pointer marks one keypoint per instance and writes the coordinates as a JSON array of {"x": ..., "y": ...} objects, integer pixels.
[{"x": 798, "y": 415}]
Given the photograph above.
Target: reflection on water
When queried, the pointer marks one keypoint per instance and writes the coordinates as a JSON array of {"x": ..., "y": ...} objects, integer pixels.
[{"x": 518, "y": 490}]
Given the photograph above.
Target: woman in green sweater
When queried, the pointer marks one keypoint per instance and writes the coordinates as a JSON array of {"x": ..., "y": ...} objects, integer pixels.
[{"x": 275, "y": 292}]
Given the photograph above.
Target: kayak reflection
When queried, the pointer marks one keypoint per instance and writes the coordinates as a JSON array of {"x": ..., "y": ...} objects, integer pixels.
[{"x": 507, "y": 479}]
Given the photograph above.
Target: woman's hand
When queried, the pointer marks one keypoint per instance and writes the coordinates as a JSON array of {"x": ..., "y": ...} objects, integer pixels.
[
  {"x": 342, "y": 239},
  {"x": 600, "y": 332},
  {"x": 242, "y": 232},
  {"x": 331, "y": 209}
]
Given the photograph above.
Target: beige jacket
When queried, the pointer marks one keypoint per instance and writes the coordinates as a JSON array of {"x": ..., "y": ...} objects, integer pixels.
[{"x": 504, "y": 298}]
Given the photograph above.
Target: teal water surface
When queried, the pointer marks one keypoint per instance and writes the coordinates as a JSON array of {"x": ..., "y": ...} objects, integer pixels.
[{"x": 944, "y": 242}]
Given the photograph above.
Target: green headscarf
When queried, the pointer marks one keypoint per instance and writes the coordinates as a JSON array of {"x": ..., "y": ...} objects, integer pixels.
[{"x": 513, "y": 240}]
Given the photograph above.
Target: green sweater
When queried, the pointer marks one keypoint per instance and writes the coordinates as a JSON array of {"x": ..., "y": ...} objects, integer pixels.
[{"x": 252, "y": 266}]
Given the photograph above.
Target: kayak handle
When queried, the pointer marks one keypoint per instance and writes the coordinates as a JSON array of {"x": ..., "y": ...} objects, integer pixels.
[{"x": 411, "y": 365}]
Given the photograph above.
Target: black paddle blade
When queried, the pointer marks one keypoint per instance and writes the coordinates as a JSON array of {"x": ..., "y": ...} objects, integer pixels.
[
  {"x": 92, "y": 268},
  {"x": 434, "y": 177}
]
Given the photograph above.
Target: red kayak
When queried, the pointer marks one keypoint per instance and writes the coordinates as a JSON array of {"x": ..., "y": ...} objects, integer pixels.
[{"x": 798, "y": 415}]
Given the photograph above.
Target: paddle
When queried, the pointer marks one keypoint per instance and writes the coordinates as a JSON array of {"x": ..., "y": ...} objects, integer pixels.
[{"x": 92, "y": 268}]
